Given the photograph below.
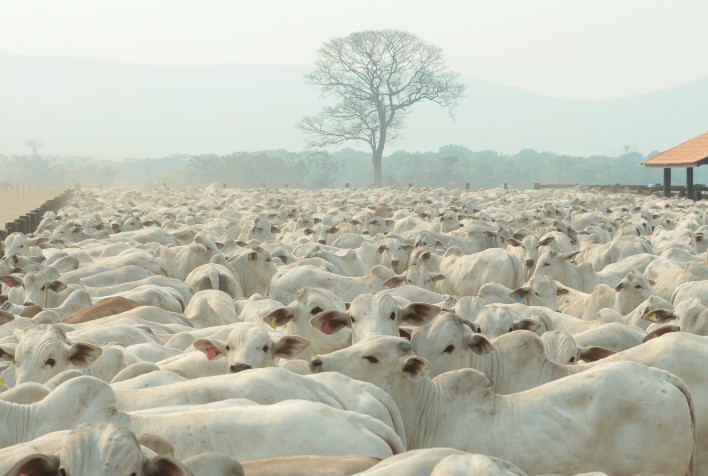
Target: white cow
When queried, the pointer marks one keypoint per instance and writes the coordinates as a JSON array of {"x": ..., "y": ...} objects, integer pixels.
[
  {"x": 251, "y": 346},
  {"x": 465, "y": 274},
  {"x": 374, "y": 314},
  {"x": 475, "y": 419},
  {"x": 91, "y": 448}
]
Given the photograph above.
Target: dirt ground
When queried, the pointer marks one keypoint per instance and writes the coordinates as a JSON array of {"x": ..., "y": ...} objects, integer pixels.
[{"x": 12, "y": 205}]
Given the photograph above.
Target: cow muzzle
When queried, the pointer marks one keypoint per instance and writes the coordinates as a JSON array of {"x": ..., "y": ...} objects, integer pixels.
[
  {"x": 316, "y": 364},
  {"x": 238, "y": 368},
  {"x": 530, "y": 263}
]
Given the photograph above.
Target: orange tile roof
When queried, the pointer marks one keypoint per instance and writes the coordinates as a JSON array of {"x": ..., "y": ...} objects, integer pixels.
[{"x": 691, "y": 153}]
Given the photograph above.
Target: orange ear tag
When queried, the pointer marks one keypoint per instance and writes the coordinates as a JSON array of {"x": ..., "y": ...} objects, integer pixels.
[
  {"x": 211, "y": 353},
  {"x": 327, "y": 328}
]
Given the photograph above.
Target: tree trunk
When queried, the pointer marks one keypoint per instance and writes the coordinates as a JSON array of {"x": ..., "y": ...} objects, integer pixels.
[{"x": 376, "y": 160}]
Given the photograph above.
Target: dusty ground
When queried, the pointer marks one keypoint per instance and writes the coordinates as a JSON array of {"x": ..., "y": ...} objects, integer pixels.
[{"x": 12, "y": 206}]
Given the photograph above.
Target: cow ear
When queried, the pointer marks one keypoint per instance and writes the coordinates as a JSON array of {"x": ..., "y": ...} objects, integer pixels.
[
  {"x": 478, "y": 344},
  {"x": 569, "y": 256},
  {"x": 57, "y": 286},
  {"x": 330, "y": 322},
  {"x": 514, "y": 242},
  {"x": 11, "y": 281},
  {"x": 6, "y": 317},
  {"x": 212, "y": 348},
  {"x": 219, "y": 245},
  {"x": 154, "y": 442},
  {"x": 520, "y": 292},
  {"x": 562, "y": 291},
  {"x": 333, "y": 230},
  {"x": 290, "y": 346},
  {"x": 199, "y": 248},
  {"x": 435, "y": 277},
  {"x": 593, "y": 353},
  {"x": 389, "y": 222},
  {"x": 395, "y": 281},
  {"x": 404, "y": 333},
  {"x": 274, "y": 229},
  {"x": 660, "y": 316},
  {"x": 620, "y": 287},
  {"x": 419, "y": 313},
  {"x": 279, "y": 317},
  {"x": 415, "y": 368},
  {"x": 381, "y": 249},
  {"x": 308, "y": 231},
  {"x": 652, "y": 282},
  {"x": 408, "y": 248},
  {"x": 39, "y": 241},
  {"x": 354, "y": 222},
  {"x": 526, "y": 325},
  {"x": 164, "y": 466},
  {"x": 547, "y": 241},
  {"x": 36, "y": 465},
  {"x": 661, "y": 331},
  {"x": 83, "y": 354},
  {"x": 7, "y": 351}
]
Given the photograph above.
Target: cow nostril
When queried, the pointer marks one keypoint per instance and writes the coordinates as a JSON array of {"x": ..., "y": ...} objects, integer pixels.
[
  {"x": 238, "y": 368},
  {"x": 322, "y": 242},
  {"x": 316, "y": 364},
  {"x": 365, "y": 232},
  {"x": 28, "y": 304},
  {"x": 394, "y": 262}
]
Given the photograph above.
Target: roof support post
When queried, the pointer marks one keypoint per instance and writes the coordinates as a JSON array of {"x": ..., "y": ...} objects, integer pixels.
[
  {"x": 667, "y": 182},
  {"x": 689, "y": 183}
]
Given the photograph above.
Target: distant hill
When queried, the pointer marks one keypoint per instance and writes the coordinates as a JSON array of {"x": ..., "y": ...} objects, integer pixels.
[{"x": 118, "y": 110}]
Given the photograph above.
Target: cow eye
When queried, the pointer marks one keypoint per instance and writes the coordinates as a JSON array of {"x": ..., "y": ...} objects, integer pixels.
[
  {"x": 536, "y": 294},
  {"x": 44, "y": 287},
  {"x": 62, "y": 472},
  {"x": 392, "y": 316},
  {"x": 352, "y": 318},
  {"x": 371, "y": 359},
  {"x": 51, "y": 362},
  {"x": 316, "y": 310},
  {"x": 268, "y": 260},
  {"x": 572, "y": 359},
  {"x": 449, "y": 349},
  {"x": 638, "y": 286},
  {"x": 265, "y": 348},
  {"x": 511, "y": 329},
  {"x": 546, "y": 264},
  {"x": 227, "y": 348}
]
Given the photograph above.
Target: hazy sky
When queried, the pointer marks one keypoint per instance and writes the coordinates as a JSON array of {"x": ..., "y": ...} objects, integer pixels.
[{"x": 593, "y": 49}]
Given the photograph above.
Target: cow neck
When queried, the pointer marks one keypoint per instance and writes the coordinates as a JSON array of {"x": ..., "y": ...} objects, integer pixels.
[
  {"x": 419, "y": 404},
  {"x": 19, "y": 423}
]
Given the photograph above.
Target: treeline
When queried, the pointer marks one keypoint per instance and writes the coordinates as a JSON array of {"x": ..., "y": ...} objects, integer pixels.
[{"x": 278, "y": 168}]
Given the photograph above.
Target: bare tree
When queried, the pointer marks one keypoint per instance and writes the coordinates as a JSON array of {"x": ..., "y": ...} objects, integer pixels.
[
  {"x": 34, "y": 144},
  {"x": 373, "y": 78}
]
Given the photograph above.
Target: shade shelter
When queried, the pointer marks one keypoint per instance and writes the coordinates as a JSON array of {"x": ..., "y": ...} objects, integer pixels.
[{"x": 690, "y": 154}]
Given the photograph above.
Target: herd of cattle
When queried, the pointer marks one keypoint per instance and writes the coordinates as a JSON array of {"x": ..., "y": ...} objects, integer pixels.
[{"x": 375, "y": 332}]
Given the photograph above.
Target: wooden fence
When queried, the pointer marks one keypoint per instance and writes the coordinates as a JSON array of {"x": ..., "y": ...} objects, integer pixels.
[
  {"x": 28, "y": 222},
  {"x": 617, "y": 188}
]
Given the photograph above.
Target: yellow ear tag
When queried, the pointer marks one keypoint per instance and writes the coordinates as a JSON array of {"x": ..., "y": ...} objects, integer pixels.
[
  {"x": 272, "y": 323},
  {"x": 2, "y": 383},
  {"x": 652, "y": 318}
]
